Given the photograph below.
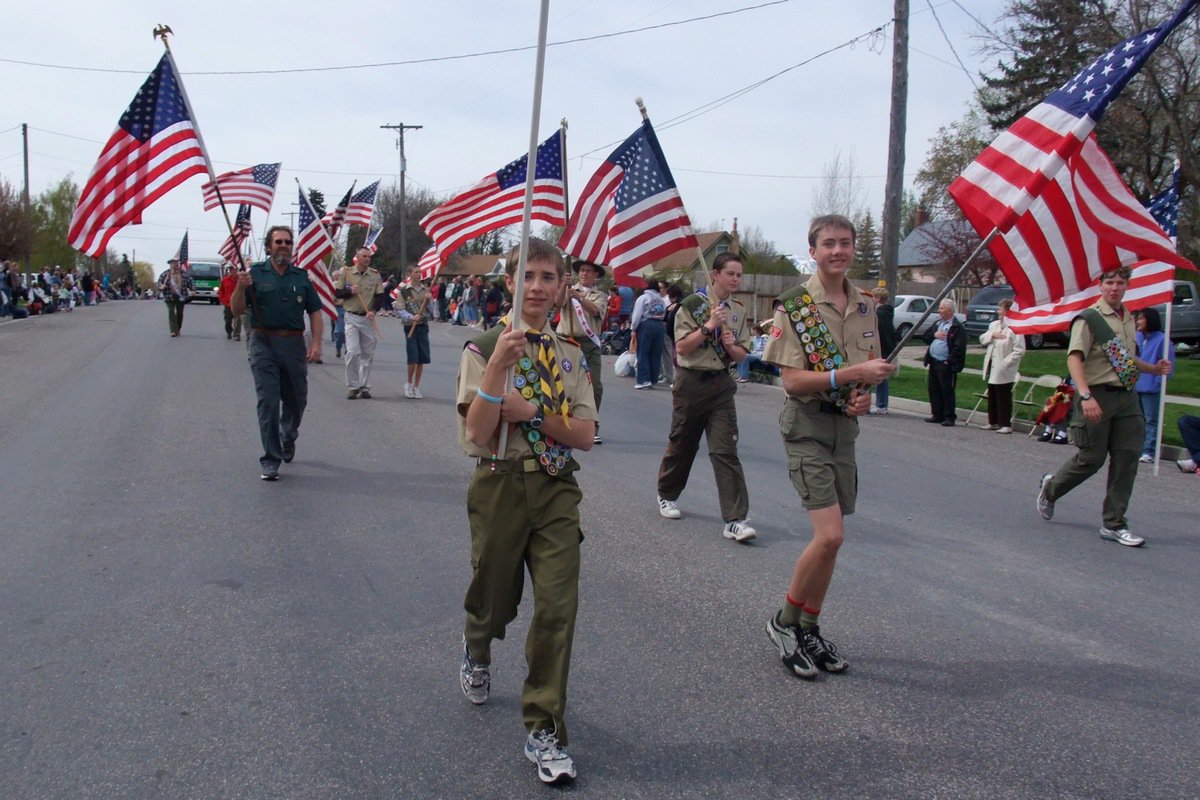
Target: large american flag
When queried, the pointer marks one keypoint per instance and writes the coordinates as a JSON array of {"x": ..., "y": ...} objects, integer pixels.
[
  {"x": 1164, "y": 206},
  {"x": 499, "y": 200},
  {"x": 254, "y": 185},
  {"x": 630, "y": 213},
  {"x": 181, "y": 255},
  {"x": 312, "y": 245},
  {"x": 362, "y": 206},
  {"x": 1064, "y": 214},
  {"x": 241, "y": 232},
  {"x": 334, "y": 218},
  {"x": 154, "y": 149}
]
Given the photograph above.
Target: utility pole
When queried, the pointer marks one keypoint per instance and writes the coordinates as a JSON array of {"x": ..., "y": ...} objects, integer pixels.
[
  {"x": 25, "y": 197},
  {"x": 894, "y": 187},
  {"x": 400, "y": 129}
]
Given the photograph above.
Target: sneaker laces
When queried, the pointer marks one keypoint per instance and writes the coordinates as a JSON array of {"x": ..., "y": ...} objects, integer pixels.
[
  {"x": 819, "y": 645},
  {"x": 546, "y": 744}
]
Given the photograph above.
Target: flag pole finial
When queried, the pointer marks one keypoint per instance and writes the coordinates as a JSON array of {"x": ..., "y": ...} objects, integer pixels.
[
  {"x": 642, "y": 108},
  {"x": 162, "y": 32}
]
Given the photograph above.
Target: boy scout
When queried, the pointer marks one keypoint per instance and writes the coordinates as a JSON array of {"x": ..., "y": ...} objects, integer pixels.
[
  {"x": 282, "y": 295},
  {"x": 416, "y": 331},
  {"x": 523, "y": 504},
  {"x": 357, "y": 286},
  {"x": 711, "y": 333},
  {"x": 1106, "y": 419},
  {"x": 825, "y": 342},
  {"x": 582, "y": 307}
]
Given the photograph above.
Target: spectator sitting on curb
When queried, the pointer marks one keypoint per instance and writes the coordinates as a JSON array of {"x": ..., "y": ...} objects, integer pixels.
[{"x": 1189, "y": 429}]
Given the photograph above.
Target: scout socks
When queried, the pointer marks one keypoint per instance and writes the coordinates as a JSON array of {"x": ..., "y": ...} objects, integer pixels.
[
  {"x": 808, "y": 617},
  {"x": 792, "y": 613}
]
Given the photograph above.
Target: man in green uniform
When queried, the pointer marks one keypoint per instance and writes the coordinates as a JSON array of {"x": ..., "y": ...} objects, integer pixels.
[
  {"x": 825, "y": 342},
  {"x": 712, "y": 332},
  {"x": 1106, "y": 419},
  {"x": 357, "y": 286},
  {"x": 523, "y": 503},
  {"x": 278, "y": 295},
  {"x": 582, "y": 306}
]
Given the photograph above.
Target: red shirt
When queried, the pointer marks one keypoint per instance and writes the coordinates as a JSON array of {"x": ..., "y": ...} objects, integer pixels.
[{"x": 225, "y": 290}]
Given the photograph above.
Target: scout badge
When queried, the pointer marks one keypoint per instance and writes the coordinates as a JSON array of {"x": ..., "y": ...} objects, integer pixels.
[
  {"x": 816, "y": 341},
  {"x": 1118, "y": 354}
]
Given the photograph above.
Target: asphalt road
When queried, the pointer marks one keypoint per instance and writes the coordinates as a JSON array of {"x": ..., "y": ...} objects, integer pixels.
[{"x": 173, "y": 627}]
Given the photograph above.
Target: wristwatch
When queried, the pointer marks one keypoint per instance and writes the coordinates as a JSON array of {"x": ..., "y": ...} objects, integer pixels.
[
  {"x": 537, "y": 419},
  {"x": 1085, "y": 395}
]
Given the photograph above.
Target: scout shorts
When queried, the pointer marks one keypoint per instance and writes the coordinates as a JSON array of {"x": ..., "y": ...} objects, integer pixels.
[{"x": 820, "y": 455}]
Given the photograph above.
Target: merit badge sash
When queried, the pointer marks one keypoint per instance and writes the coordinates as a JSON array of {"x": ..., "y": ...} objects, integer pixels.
[
  {"x": 1116, "y": 351},
  {"x": 815, "y": 339}
]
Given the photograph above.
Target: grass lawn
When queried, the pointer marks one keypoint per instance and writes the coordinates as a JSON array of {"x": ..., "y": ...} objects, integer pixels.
[
  {"x": 910, "y": 383},
  {"x": 1053, "y": 361}
]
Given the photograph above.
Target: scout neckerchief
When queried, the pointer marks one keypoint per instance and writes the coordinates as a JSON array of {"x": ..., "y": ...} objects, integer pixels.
[
  {"x": 702, "y": 315},
  {"x": 816, "y": 341},
  {"x": 540, "y": 382},
  {"x": 1118, "y": 354}
]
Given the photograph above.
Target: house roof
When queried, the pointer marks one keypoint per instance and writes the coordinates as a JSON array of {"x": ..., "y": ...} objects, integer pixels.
[
  {"x": 921, "y": 247},
  {"x": 473, "y": 265},
  {"x": 686, "y": 259}
]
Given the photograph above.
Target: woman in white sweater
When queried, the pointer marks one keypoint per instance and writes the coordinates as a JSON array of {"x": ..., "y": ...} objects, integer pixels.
[{"x": 1000, "y": 367}]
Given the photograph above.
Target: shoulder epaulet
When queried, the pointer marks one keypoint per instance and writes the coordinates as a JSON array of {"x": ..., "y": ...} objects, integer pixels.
[
  {"x": 485, "y": 343},
  {"x": 571, "y": 340}
]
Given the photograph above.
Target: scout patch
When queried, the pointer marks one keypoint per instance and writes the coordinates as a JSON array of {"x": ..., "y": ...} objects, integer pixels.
[
  {"x": 816, "y": 341},
  {"x": 566, "y": 365}
]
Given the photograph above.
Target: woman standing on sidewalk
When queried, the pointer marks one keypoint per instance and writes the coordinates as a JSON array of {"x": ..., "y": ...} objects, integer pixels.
[
  {"x": 1000, "y": 366},
  {"x": 1152, "y": 345}
]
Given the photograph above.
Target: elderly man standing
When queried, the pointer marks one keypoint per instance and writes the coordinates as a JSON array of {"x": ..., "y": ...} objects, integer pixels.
[
  {"x": 945, "y": 358},
  {"x": 357, "y": 287},
  {"x": 1106, "y": 419},
  {"x": 278, "y": 294}
]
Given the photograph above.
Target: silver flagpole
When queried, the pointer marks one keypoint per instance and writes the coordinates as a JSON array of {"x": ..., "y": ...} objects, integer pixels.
[{"x": 530, "y": 170}]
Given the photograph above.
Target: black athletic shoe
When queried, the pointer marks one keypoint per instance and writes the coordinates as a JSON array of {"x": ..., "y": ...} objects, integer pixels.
[
  {"x": 786, "y": 639},
  {"x": 270, "y": 473},
  {"x": 821, "y": 652},
  {"x": 289, "y": 452}
]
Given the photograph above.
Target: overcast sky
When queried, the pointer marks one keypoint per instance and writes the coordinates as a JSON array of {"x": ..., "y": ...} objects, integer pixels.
[{"x": 754, "y": 158}]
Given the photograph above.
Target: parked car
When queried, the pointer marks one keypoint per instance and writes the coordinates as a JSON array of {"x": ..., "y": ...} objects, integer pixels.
[
  {"x": 909, "y": 308},
  {"x": 982, "y": 310},
  {"x": 1185, "y": 314}
]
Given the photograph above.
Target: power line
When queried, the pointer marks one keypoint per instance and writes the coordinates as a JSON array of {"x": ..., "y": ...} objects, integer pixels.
[
  {"x": 409, "y": 62},
  {"x": 950, "y": 44}
]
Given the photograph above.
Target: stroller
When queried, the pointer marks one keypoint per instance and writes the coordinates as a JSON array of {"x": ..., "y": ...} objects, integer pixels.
[
  {"x": 1055, "y": 414},
  {"x": 616, "y": 341}
]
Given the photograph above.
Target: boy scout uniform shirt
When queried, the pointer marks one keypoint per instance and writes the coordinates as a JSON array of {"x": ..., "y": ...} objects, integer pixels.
[
  {"x": 281, "y": 301},
  {"x": 705, "y": 356},
  {"x": 576, "y": 382},
  {"x": 1097, "y": 369},
  {"x": 569, "y": 324},
  {"x": 853, "y": 332},
  {"x": 369, "y": 283},
  {"x": 413, "y": 295}
]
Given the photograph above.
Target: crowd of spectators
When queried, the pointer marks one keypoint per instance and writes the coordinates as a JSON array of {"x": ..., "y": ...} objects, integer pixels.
[{"x": 50, "y": 291}]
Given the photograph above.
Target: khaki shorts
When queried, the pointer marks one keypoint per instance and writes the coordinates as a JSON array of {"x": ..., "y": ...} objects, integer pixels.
[{"x": 820, "y": 455}]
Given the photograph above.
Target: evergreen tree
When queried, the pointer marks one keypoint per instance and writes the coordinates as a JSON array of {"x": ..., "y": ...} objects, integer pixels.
[{"x": 867, "y": 256}]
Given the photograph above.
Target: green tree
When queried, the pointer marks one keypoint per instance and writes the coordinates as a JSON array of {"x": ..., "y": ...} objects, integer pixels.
[
  {"x": 867, "y": 257},
  {"x": 951, "y": 150},
  {"x": 759, "y": 254},
  {"x": 317, "y": 198},
  {"x": 417, "y": 203},
  {"x": 51, "y": 220},
  {"x": 16, "y": 230}
]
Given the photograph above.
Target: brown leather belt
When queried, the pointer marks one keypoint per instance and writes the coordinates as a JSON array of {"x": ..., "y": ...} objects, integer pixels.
[{"x": 278, "y": 332}]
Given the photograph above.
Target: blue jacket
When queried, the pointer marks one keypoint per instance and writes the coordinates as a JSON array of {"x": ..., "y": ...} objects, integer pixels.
[{"x": 1150, "y": 349}]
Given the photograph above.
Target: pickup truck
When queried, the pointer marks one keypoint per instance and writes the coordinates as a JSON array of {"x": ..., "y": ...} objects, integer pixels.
[{"x": 1185, "y": 314}]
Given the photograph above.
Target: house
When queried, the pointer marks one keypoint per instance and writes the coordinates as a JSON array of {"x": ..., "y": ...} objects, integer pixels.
[
  {"x": 935, "y": 249},
  {"x": 685, "y": 264}
]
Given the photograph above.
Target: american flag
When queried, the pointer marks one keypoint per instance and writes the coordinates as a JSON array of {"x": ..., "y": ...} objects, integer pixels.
[
  {"x": 1064, "y": 214},
  {"x": 181, "y": 255},
  {"x": 254, "y": 185},
  {"x": 430, "y": 263},
  {"x": 333, "y": 219},
  {"x": 372, "y": 237},
  {"x": 1149, "y": 284},
  {"x": 362, "y": 206},
  {"x": 630, "y": 213},
  {"x": 312, "y": 245},
  {"x": 1164, "y": 206},
  {"x": 499, "y": 200},
  {"x": 154, "y": 149},
  {"x": 241, "y": 232}
]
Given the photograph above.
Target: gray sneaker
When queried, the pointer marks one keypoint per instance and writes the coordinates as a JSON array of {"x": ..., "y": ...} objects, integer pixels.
[
  {"x": 1122, "y": 536},
  {"x": 475, "y": 678},
  {"x": 553, "y": 763},
  {"x": 786, "y": 639},
  {"x": 1045, "y": 505}
]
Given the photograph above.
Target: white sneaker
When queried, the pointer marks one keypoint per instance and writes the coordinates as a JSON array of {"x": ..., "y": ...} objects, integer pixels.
[
  {"x": 1186, "y": 465},
  {"x": 668, "y": 509},
  {"x": 642, "y": 385},
  {"x": 1005, "y": 429},
  {"x": 989, "y": 427},
  {"x": 416, "y": 392},
  {"x": 1145, "y": 459},
  {"x": 408, "y": 390},
  {"x": 738, "y": 530},
  {"x": 1122, "y": 536},
  {"x": 553, "y": 763}
]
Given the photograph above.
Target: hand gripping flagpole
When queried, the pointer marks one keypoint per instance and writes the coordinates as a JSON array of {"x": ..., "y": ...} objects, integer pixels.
[{"x": 527, "y": 213}]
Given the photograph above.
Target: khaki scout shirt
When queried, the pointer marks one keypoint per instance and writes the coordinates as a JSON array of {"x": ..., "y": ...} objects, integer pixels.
[
  {"x": 569, "y": 324},
  {"x": 369, "y": 283},
  {"x": 1097, "y": 369},
  {"x": 577, "y": 382},
  {"x": 413, "y": 297},
  {"x": 853, "y": 332},
  {"x": 705, "y": 356}
]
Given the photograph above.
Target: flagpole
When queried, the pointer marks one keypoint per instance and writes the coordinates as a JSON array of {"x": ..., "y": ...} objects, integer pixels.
[
  {"x": 527, "y": 213},
  {"x": 895, "y": 354},
  {"x": 1162, "y": 395},
  {"x": 561, "y": 300}
]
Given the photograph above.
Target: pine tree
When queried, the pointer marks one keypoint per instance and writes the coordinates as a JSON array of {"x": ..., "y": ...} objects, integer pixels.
[{"x": 867, "y": 257}]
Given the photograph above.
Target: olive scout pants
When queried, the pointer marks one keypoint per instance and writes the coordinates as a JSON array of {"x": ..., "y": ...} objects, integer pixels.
[
  {"x": 521, "y": 518},
  {"x": 702, "y": 405},
  {"x": 1117, "y": 436},
  {"x": 591, "y": 354}
]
